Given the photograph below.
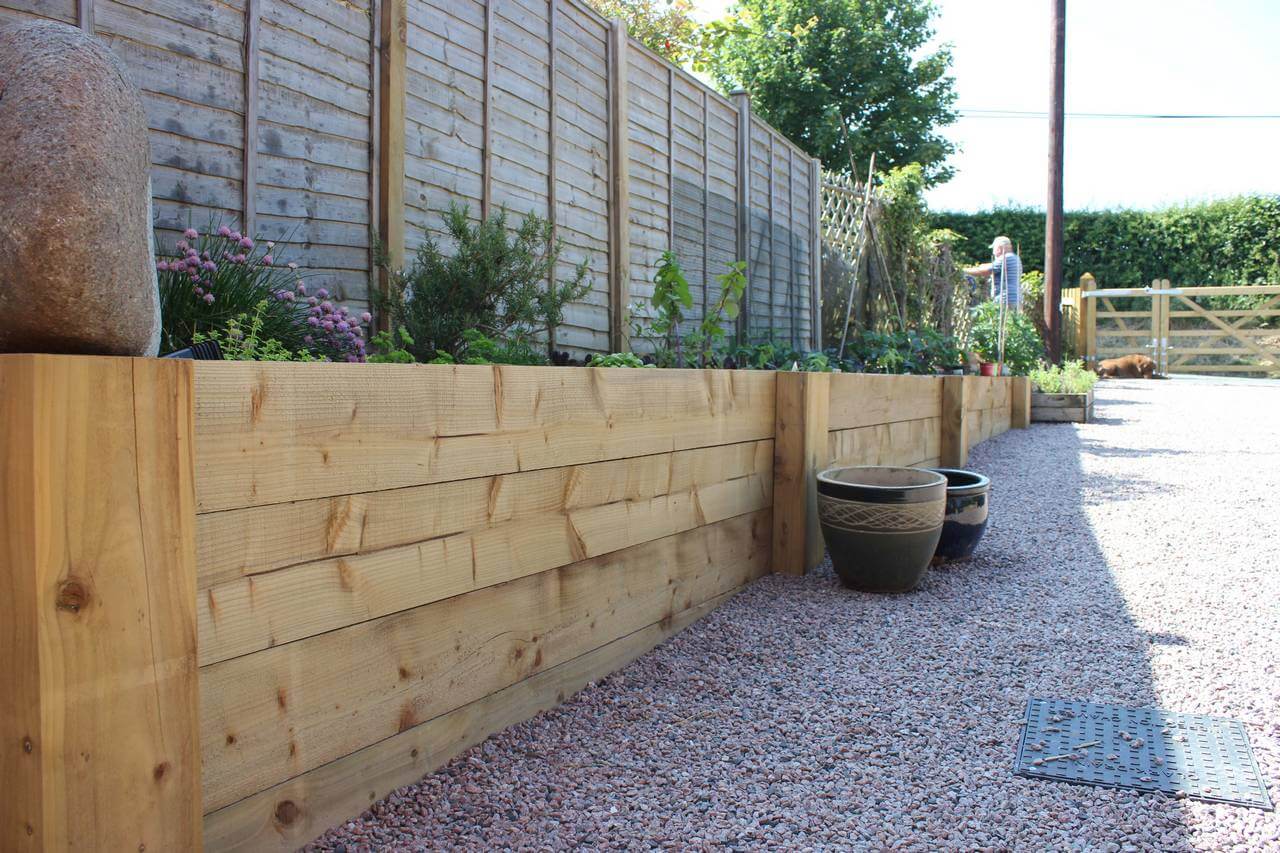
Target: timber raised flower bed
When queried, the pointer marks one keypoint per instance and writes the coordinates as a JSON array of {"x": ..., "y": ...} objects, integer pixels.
[{"x": 1062, "y": 408}]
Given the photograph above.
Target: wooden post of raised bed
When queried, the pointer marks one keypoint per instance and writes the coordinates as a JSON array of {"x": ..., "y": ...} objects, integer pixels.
[
  {"x": 955, "y": 437},
  {"x": 99, "y": 718},
  {"x": 1020, "y": 402},
  {"x": 801, "y": 415}
]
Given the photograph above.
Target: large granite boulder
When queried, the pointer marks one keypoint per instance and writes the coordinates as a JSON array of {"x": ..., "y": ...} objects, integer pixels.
[{"x": 77, "y": 267}]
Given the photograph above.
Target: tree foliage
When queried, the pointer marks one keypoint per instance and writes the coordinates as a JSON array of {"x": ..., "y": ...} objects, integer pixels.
[
  {"x": 1234, "y": 241},
  {"x": 666, "y": 27},
  {"x": 811, "y": 65}
]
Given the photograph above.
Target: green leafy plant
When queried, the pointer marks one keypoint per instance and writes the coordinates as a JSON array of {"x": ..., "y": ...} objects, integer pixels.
[
  {"x": 241, "y": 339},
  {"x": 485, "y": 299},
  {"x": 914, "y": 351},
  {"x": 551, "y": 301},
  {"x": 768, "y": 354},
  {"x": 711, "y": 333},
  {"x": 391, "y": 349},
  {"x": 1023, "y": 348},
  {"x": 617, "y": 359},
  {"x": 479, "y": 348},
  {"x": 1070, "y": 378},
  {"x": 671, "y": 298}
]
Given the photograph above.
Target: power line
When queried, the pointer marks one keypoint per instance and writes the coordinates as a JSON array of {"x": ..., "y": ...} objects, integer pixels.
[{"x": 1032, "y": 114}]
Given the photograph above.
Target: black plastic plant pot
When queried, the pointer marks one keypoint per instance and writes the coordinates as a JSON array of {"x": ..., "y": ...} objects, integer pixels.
[
  {"x": 881, "y": 524},
  {"x": 966, "y": 518}
]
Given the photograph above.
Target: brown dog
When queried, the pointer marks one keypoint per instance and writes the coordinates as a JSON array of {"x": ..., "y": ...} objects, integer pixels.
[{"x": 1128, "y": 367}]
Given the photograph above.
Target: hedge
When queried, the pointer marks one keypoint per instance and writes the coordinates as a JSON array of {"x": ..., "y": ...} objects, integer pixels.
[{"x": 1234, "y": 241}]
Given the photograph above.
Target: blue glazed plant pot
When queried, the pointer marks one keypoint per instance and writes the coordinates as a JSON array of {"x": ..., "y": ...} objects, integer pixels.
[
  {"x": 881, "y": 524},
  {"x": 966, "y": 518}
]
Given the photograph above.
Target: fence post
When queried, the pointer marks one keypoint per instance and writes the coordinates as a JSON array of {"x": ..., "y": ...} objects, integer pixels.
[
  {"x": 1087, "y": 339},
  {"x": 742, "y": 101},
  {"x": 392, "y": 49},
  {"x": 249, "y": 163},
  {"x": 801, "y": 415},
  {"x": 84, "y": 16},
  {"x": 99, "y": 714},
  {"x": 1020, "y": 402},
  {"x": 815, "y": 250},
  {"x": 955, "y": 430},
  {"x": 619, "y": 190}
]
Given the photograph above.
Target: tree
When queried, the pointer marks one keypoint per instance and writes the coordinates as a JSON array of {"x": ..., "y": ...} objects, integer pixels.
[
  {"x": 812, "y": 64},
  {"x": 664, "y": 26}
]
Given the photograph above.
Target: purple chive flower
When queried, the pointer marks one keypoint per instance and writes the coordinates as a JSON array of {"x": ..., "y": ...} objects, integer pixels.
[
  {"x": 322, "y": 293},
  {"x": 344, "y": 326},
  {"x": 191, "y": 234},
  {"x": 224, "y": 231},
  {"x": 366, "y": 317},
  {"x": 313, "y": 322},
  {"x": 288, "y": 296},
  {"x": 235, "y": 236},
  {"x": 162, "y": 266},
  {"x": 327, "y": 306},
  {"x": 246, "y": 243},
  {"x": 307, "y": 339},
  {"x": 194, "y": 275},
  {"x": 267, "y": 259},
  {"x": 327, "y": 325},
  {"x": 208, "y": 298},
  {"x": 210, "y": 266},
  {"x": 302, "y": 288},
  {"x": 182, "y": 246},
  {"x": 239, "y": 259}
]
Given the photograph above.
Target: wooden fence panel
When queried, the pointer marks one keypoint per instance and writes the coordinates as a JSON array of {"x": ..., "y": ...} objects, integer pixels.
[
  {"x": 506, "y": 103},
  {"x": 582, "y": 169},
  {"x": 313, "y": 186},
  {"x": 649, "y": 152},
  {"x": 444, "y": 122}
]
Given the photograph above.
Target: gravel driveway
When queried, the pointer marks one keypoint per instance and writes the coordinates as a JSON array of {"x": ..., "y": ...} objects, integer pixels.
[{"x": 1132, "y": 560}]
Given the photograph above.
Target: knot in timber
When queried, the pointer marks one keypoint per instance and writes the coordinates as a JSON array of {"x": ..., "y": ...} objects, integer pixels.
[{"x": 73, "y": 596}]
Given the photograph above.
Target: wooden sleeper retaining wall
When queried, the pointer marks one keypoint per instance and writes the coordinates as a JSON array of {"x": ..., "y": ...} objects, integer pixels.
[{"x": 249, "y": 599}]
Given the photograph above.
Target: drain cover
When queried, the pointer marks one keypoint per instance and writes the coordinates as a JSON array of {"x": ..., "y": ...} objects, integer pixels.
[{"x": 1146, "y": 749}]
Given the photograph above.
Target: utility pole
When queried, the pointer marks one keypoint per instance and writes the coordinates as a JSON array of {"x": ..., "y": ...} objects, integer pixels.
[{"x": 1053, "y": 219}]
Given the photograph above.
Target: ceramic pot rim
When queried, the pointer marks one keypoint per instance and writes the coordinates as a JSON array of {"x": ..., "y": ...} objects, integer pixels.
[
  {"x": 981, "y": 482},
  {"x": 828, "y": 477}
]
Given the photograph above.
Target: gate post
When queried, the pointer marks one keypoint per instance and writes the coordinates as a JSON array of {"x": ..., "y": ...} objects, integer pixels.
[{"x": 1088, "y": 331}]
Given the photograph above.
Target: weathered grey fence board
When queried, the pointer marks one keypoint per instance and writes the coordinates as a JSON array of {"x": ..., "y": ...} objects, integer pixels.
[{"x": 505, "y": 100}]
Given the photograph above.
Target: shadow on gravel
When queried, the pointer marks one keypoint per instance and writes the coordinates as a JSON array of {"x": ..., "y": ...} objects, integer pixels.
[
  {"x": 803, "y": 715},
  {"x": 1054, "y": 624}
]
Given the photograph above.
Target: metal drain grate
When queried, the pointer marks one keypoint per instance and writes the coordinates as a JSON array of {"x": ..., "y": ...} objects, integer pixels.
[{"x": 1146, "y": 749}]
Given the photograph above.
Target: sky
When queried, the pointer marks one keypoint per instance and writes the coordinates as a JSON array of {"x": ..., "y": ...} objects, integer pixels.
[{"x": 1123, "y": 56}]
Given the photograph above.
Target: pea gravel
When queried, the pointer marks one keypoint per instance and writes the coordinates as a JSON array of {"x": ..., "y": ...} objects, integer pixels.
[{"x": 1132, "y": 560}]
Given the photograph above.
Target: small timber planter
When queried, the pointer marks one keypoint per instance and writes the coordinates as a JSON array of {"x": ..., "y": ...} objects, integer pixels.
[
  {"x": 1062, "y": 408},
  {"x": 881, "y": 524},
  {"x": 966, "y": 518}
]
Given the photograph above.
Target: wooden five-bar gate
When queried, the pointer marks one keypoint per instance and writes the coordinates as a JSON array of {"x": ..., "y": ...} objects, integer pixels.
[{"x": 1219, "y": 329}]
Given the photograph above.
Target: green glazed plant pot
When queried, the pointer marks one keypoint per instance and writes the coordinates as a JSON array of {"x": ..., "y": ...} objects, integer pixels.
[
  {"x": 881, "y": 524},
  {"x": 966, "y": 518}
]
